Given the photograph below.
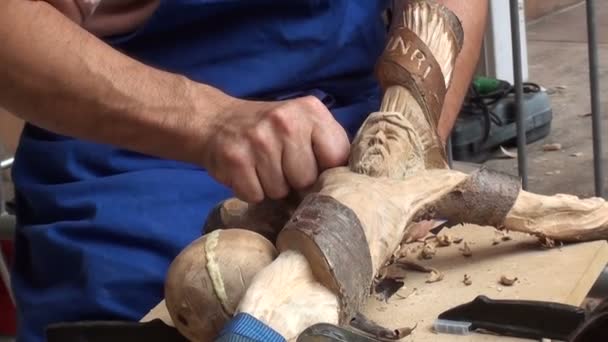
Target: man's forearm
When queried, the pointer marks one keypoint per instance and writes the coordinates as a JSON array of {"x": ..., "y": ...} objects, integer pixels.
[
  {"x": 58, "y": 76},
  {"x": 473, "y": 15}
]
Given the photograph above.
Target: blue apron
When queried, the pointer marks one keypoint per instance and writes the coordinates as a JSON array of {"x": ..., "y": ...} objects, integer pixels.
[{"x": 98, "y": 225}]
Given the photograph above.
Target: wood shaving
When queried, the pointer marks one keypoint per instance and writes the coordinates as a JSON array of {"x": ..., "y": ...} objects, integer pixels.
[
  {"x": 507, "y": 153},
  {"x": 428, "y": 251},
  {"x": 457, "y": 240},
  {"x": 467, "y": 280},
  {"x": 403, "y": 332},
  {"x": 576, "y": 155},
  {"x": 443, "y": 240},
  {"x": 434, "y": 277},
  {"x": 552, "y": 147},
  {"x": 507, "y": 281},
  {"x": 545, "y": 242},
  {"x": 466, "y": 250},
  {"x": 585, "y": 115},
  {"x": 412, "y": 265},
  {"x": 364, "y": 324},
  {"x": 401, "y": 297}
]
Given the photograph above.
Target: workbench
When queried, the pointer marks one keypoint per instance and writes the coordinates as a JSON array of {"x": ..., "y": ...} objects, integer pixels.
[{"x": 563, "y": 274}]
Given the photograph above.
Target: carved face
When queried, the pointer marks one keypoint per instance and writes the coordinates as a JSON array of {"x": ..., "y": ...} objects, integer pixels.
[{"x": 386, "y": 146}]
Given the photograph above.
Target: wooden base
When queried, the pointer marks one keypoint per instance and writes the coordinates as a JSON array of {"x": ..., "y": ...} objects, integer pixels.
[{"x": 562, "y": 274}]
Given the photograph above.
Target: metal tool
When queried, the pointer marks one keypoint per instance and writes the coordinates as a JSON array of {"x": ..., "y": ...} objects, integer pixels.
[
  {"x": 324, "y": 332},
  {"x": 516, "y": 318}
]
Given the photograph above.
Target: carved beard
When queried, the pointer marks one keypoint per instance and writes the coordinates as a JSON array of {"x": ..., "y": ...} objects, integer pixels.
[
  {"x": 384, "y": 139},
  {"x": 372, "y": 157}
]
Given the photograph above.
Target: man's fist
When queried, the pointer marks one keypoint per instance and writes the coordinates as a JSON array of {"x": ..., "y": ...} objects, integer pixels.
[{"x": 264, "y": 149}]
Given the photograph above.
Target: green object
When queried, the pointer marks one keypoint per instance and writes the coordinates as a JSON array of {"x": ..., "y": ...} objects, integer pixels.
[{"x": 486, "y": 85}]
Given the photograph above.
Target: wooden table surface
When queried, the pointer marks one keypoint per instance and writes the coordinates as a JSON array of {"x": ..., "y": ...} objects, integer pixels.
[{"x": 562, "y": 274}]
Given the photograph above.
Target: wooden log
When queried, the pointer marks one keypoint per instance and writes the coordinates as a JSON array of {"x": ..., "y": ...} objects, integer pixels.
[{"x": 562, "y": 217}]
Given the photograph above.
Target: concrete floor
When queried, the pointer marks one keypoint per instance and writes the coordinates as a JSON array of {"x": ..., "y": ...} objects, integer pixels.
[{"x": 558, "y": 61}]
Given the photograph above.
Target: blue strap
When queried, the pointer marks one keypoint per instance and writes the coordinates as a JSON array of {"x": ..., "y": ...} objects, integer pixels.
[{"x": 246, "y": 328}]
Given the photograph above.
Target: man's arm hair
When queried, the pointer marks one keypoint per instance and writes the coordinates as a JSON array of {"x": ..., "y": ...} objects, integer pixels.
[
  {"x": 58, "y": 76},
  {"x": 473, "y": 15}
]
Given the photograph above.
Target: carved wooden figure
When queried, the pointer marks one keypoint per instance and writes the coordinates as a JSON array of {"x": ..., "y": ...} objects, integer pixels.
[{"x": 333, "y": 242}]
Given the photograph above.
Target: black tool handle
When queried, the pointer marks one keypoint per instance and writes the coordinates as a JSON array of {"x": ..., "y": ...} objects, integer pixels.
[{"x": 519, "y": 318}]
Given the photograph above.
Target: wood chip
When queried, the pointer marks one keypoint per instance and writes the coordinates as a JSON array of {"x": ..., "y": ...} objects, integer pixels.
[
  {"x": 551, "y": 173},
  {"x": 552, "y": 147},
  {"x": 428, "y": 251},
  {"x": 508, "y": 154},
  {"x": 545, "y": 242},
  {"x": 496, "y": 241},
  {"x": 576, "y": 155},
  {"x": 444, "y": 240},
  {"x": 467, "y": 280},
  {"x": 457, "y": 240},
  {"x": 585, "y": 115},
  {"x": 434, "y": 277},
  {"x": 507, "y": 281},
  {"x": 466, "y": 250}
]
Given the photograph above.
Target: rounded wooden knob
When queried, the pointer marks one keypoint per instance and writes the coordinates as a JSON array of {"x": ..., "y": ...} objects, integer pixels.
[{"x": 207, "y": 280}]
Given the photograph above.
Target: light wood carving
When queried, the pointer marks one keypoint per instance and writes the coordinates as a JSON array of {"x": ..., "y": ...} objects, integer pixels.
[{"x": 348, "y": 226}]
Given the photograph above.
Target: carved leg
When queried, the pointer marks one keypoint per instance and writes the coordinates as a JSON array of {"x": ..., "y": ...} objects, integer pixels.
[{"x": 561, "y": 217}]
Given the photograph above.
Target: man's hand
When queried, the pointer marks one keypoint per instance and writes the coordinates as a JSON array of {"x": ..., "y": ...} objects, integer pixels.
[
  {"x": 264, "y": 149},
  {"x": 85, "y": 89}
]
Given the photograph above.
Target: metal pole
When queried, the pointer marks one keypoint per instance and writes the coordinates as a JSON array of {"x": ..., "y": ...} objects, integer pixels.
[
  {"x": 449, "y": 152},
  {"x": 4, "y": 164},
  {"x": 522, "y": 160},
  {"x": 596, "y": 111}
]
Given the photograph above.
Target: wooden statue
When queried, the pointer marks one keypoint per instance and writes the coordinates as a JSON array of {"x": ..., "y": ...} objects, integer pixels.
[{"x": 333, "y": 241}]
